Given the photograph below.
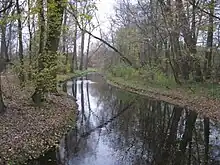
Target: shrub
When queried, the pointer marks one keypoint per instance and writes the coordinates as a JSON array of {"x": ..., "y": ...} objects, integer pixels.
[
  {"x": 62, "y": 67},
  {"x": 124, "y": 71}
]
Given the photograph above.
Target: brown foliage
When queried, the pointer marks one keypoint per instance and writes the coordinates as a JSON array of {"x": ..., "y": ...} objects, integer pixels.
[{"x": 26, "y": 130}]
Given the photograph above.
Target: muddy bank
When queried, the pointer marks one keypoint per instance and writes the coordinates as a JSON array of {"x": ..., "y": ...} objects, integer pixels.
[
  {"x": 208, "y": 107},
  {"x": 28, "y": 131}
]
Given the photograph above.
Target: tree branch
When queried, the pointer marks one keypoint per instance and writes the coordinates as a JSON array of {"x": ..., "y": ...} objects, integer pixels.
[
  {"x": 204, "y": 11},
  {"x": 7, "y": 7},
  {"x": 125, "y": 59}
]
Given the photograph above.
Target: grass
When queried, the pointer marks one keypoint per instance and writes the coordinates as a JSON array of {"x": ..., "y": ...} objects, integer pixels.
[
  {"x": 142, "y": 79},
  {"x": 77, "y": 73}
]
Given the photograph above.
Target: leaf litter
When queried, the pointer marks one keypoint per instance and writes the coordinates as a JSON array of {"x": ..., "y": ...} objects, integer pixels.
[{"x": 26, "y": 130}]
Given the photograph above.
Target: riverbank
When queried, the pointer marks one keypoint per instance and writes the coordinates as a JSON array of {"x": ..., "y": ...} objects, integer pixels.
[
  {"x": 65, "y": 77},
  {"x": 203, "y": 104},
  {"x": 28, "y": 131}
]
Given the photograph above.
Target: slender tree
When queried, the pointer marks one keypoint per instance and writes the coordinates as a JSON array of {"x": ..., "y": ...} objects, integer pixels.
[
  {"x": 3, "y": 61},
  {"x": 209, "y": 42}
]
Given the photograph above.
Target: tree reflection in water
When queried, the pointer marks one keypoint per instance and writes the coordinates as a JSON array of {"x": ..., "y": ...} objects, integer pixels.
[{"x": 120, "y": 128}]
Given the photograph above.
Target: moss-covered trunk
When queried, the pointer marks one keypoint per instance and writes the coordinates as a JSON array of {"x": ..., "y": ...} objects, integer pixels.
[{"x": 47, "y": 61}]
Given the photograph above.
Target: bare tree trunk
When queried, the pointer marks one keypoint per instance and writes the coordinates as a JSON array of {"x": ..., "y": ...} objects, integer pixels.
[
  {"x": 173, "y": 33},
  {"x": 2, "y": 105},
  {"x": 87, "y": 53},
  {"x": 209, "y": 42},
  {"x": 4, "y": 48},
  {"x": 74, "y": 57},
  {"x": 193, "y": 50},
  {"x": 189, "y": 35},
  {"x": 9, "y": 43},
  {"x": 167, "y": 57},
  {"x": 30, "y": 40},
  {"x": 82, "y": 50},
  {"x": 2, "y": 68},
  {"x": 21, "y": 75},
  {"x": 3, "y": 41}
]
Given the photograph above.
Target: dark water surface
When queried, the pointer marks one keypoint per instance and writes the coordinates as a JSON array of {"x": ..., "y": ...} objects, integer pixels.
[{"x": 115, "y": 127}]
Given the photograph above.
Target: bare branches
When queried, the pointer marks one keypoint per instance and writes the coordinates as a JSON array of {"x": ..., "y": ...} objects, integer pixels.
[
  {"x": 7, "y": 7},
  {"x": 125, "y": 59},
  {"x": 203, "y": 10}
]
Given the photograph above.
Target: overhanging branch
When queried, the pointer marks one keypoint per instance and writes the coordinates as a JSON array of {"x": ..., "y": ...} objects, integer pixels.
[{"x": 125, "y": 59}]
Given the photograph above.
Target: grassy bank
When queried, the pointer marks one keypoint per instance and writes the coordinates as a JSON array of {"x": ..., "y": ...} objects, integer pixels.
[
  {"x": 203, "y": 98},
  {"x": 77, "y": 73},
  {"x": 27, "y": 131}
]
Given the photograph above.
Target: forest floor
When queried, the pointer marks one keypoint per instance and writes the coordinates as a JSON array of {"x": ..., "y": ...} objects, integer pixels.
[
  {"x": 195, "y": 97},
  {"x": 26, "y": 130}
]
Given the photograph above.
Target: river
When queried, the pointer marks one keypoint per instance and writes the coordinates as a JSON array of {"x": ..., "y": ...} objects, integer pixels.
[{"x": 116, "y": 127}]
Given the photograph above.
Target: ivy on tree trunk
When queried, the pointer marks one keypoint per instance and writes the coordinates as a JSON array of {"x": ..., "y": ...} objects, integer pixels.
[{"x": 47, "y": 61}]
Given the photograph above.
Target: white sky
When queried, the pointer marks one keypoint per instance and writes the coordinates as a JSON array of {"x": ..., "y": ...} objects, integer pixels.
[{"x": 105, "y": 10}]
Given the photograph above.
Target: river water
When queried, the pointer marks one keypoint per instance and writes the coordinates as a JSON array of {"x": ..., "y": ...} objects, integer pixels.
[{"x": 115, "y": 127}]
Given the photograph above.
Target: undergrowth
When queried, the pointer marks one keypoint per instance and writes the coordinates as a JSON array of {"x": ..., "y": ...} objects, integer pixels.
[{"x": 154, "y": 77}]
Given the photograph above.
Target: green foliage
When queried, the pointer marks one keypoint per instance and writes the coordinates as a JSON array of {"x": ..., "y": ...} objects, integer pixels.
[
  {"x": 155, "y": 76},
  {"x": 86, "y": 16},
  {"x": 77, "y": 73},
  {"x": 152, "y": 77},
  {"x": 211, "y": 90},
  {"x": 124, "y": 71},
  {"x": 62, "y": 66},
  {"x": 18, "y": 68},
  {"x": 146, "y": 75}
]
